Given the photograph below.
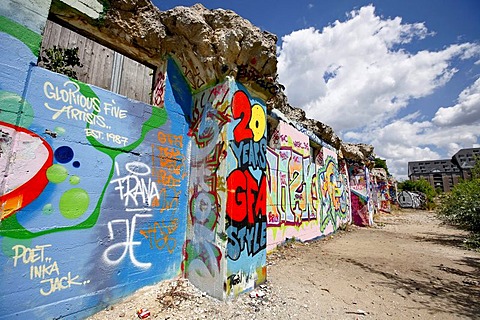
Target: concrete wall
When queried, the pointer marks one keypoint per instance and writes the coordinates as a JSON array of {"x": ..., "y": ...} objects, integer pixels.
[
  {"x": 94, "y": 195},
  {"x": 408, "y": 199},
  {"x": 226, "y": 239},
  {"x": 383, "y": 196},
  {"x": 308, "y": 196},
  {"x": 102, "y": 195},
  {"x": 246, "y": 224}
]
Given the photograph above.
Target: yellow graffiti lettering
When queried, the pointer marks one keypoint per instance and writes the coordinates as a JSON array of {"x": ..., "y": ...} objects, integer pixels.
[
  {"x": 44, "y": 270},
  {"x": 258, "y": 122},
  {"x": 29, "y": 255},
  {"x": 59, "y": 283}
]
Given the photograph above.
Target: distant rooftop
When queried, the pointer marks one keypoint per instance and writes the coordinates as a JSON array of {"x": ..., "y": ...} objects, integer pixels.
[
  {"x": 462, "y": 160},
  {"x": 465, "y": 158}
]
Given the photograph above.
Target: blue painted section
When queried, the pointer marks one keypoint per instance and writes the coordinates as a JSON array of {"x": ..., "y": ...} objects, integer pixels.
[
  {"x": 99, "y": 195},
  {"x": 111, "y": 218},
  {"x": 15, "y": 63},
  {"x": 181, "y": 90}
]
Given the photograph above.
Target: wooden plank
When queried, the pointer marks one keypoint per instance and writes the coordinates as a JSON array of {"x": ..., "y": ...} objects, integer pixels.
[
  {"x": 63, "y": 41},
  {"x": 87, "y": 57},
  {"x": 52, "y": 36},
  {"x": 108, "y": 66},
  {"x": 150, "y": 78},
  {"x": 101, "y": 72},
  {"x": 147, "y": 84},
  {"x": 81, "y": 54},
  {"x": 127, "y": 78},
  {"x": 136, "y": 79},
  {"x": 137, "y": 85},
  {"x": 140, "y": 90}
]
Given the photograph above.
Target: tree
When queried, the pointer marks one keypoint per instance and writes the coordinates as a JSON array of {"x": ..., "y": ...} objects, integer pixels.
[
  {"x": 476, "y": 168},
  {"x": 461, "y": 207},
  {"x": 380, "y": 163},
  {"x": 421, "y": 185}
]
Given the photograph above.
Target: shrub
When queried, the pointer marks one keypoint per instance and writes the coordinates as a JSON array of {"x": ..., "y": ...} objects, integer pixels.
[
  {"x": 462, "y": 206},
  {"x": 380, "y": 163},
  {"x": 61, "y": 60}
]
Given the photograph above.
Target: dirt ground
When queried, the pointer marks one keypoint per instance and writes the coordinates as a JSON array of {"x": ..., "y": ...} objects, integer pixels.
[{"x": 408, "y": 266}]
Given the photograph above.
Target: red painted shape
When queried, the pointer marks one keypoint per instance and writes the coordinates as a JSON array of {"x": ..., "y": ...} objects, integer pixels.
[
  {"x": 241, "y": 109},
  {"x": 245, "y": 199},
  {"x": 261, "y": 203},
  {"x": 24, "y": 194},
  {"x": 237, "y": 196}
]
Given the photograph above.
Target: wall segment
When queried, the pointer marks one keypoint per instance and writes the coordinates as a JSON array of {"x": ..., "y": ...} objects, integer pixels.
[
  {"x": 94, "y": 192},
  {"x": 308, "y": 192}
]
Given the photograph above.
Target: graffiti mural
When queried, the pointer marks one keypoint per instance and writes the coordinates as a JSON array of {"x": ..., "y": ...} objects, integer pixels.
[
  {"x": 246, "y": 223},
  {"x": 308, "y": 190},
  {"x": 415, "y": 200},
  {"x": 335, "y": 192},
  {"x": 383, "y": 196},
  {"x": 361, "y": 194},
  {"x": 203, "y": 248},
  {"x": 93, "y": 190},
  {"x": 293, "y": 183},
  {"x": 381, "y": 188}
]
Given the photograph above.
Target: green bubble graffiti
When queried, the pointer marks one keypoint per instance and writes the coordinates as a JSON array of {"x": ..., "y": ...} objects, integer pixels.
[
  {"x": 57, "y": 173},
  {"x": 74, "y": 203}
]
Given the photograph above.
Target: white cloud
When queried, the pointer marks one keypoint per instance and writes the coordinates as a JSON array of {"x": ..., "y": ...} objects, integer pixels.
[
  {"x": 408, "y": 139},
  {"x": 466, "y": 111},
  {"x": 355, "y": 76},
  {"x": 356, "y": 65}
]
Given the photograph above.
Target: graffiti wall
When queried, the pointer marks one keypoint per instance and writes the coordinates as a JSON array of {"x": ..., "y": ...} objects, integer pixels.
[
  {"x": 246, "y": 224},
  {"x": 101, "y": 195},
  {"x": 361, "y": 195},
  {"x": 93, "y": 190},
  {"x": 308, "y": 192},
  {"x": 204, "y": 262},
  {"x": 382, "y": 189},
  {"x": 415, "y": 200},
  {"x": 226, "y": 237}
]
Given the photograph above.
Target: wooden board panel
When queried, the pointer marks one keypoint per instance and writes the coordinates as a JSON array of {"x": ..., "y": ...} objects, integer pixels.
[{"x": 97, "y": 63}]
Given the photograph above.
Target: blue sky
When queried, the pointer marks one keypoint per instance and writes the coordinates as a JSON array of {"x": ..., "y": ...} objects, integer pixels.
[{"x": 403, "y": 76}]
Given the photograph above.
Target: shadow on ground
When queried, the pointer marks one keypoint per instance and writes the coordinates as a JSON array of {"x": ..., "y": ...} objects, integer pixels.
[
  {"x": 444, "y": 240},
  {"x": 456, "y": 296}
]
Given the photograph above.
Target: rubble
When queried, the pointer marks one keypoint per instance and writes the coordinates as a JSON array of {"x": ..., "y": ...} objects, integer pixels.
[{"x": 179, "y": 299}]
